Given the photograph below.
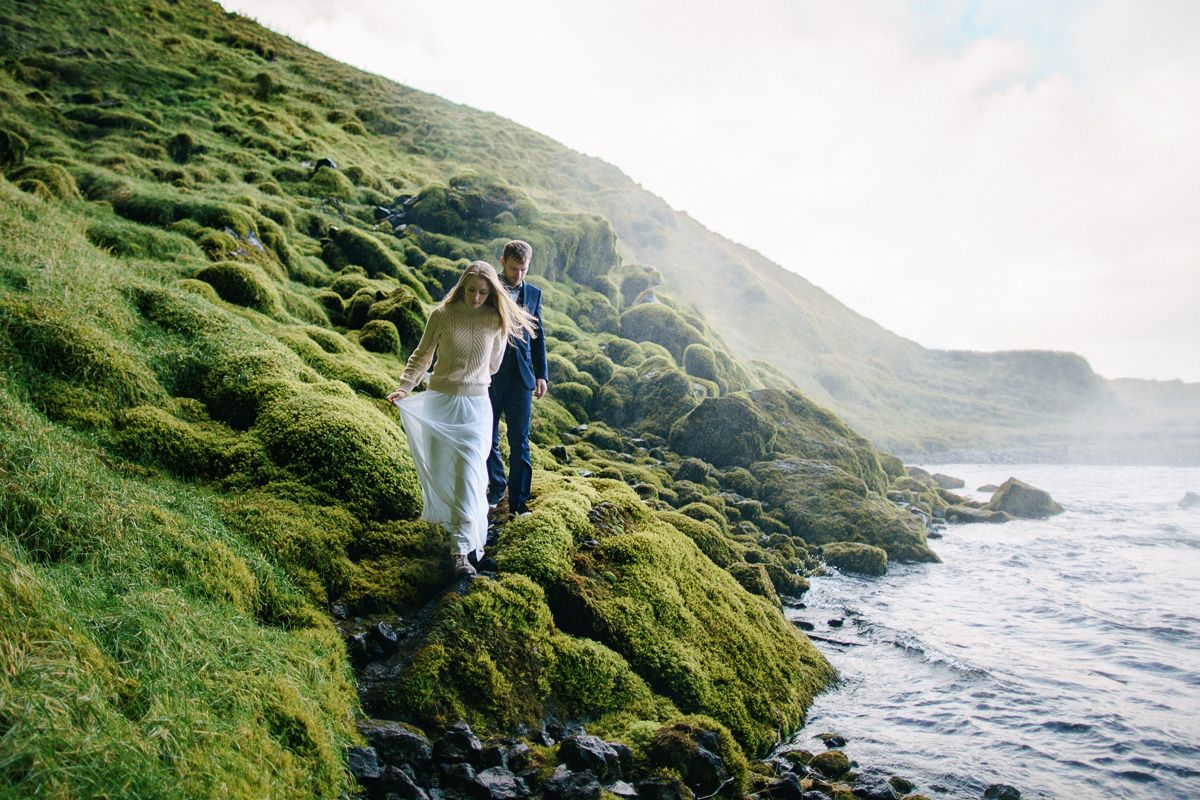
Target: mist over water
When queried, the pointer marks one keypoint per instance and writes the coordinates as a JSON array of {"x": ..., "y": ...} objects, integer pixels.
[{"x": 1061, "y": 656}]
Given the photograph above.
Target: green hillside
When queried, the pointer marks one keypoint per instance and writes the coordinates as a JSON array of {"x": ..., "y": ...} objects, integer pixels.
[{"x": 216, "y": 250}]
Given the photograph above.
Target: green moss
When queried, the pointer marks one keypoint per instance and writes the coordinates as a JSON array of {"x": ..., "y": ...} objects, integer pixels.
[
  {"x": 243, "y": 285},
  {"x": 707, "y": 535},
  {"x": 675, "y": 747},
  {"x": 588, "y": 681},
  {"x": 822, "y": 503},
  {"x": 661, "y": 324},
  {"x": 855, "y": 557},
  {"x": 327, "y": 182},
  {"x": 576, "y": 397},
  {"x": 58, "y": 182},
  {"x": 344, "y": 448},
  {"x": 380, "y": 336},
  {"x": 403, "y": 309},
  {"x": 153, "y": 435},
  {"x": 13, "y": 147},
  {"x": 725, "y": 431},
  {"x": 130, "y": 239}
]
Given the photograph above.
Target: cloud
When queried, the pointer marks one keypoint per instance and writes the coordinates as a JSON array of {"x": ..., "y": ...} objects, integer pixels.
[{"x": 979, "y": 176}]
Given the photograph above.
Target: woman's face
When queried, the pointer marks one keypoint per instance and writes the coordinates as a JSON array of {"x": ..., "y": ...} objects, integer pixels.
[{"x": 476, "y": 291}]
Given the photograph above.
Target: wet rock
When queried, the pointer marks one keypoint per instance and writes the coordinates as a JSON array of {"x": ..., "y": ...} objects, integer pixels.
[
  {"x": 786, "y": 788},
  {"x": 832, "y": 763},
  {"x": 497, "y": 783},
  {"x": 567, "y": 785},
  {"x": 836, "y": 623},
  {"x": 988, "y": 487},
  {"x": 803, "y": 625},
  {"x": 339, "y": 610},
  {"x": 363, "y": 763},
  {"x": 901, "y": 785},
  {"x": 590, "y": 753},
  {"x": 397, "y": 782},
  {"x": 1001, "y": 791},
  {"x": 863, "y": 559},
  {"x": 624, "y": 756},
  {"x": 1022, "y": 500},
  {"x": 459, "y": 743},
  {"x": 962, "y": 514},
  {"x": 396, "y": 743},
  {"x": 458, "y": 774},
  {"x": 1190, "y": 500},
  {"x": 873, "y": 784},
  {"x": 832, "y": 740},
  {"x": 948, "y": 482}
]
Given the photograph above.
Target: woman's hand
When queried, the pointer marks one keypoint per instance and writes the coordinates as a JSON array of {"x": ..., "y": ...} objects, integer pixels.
[{"x": 399, "y": 394}]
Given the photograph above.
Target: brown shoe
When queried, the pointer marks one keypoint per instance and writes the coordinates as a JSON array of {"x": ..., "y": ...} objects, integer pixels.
[{"x": 462, "y": 567}]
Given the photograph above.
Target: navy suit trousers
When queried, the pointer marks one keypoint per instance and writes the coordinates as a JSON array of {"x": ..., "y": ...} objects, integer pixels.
[{"x": 512, "y": 398}]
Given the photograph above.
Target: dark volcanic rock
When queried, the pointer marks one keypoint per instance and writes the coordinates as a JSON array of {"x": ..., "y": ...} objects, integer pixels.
[
  {"x": 1022, "y": 500},
  {"x": 663, "y": 789},
  {"x": 396, "y": 743},
  {"x": 396, "y": 782},
  {"x": 567, "y": 785},
  {"x": 363, "y": 763},
  {"x": 832, "y": 740},
  {"x": 459, "y": 743},
  {"x": 786, "y": 788},
  {"x": 1001, "y": 791},
  {"x": 591, "y": 753},
  {"x": 873, "y": 784},
  {"x": 497, "y": 783}
]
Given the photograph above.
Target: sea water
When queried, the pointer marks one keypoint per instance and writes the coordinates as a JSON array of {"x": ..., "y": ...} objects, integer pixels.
[{"x": 1060, "y": 656}]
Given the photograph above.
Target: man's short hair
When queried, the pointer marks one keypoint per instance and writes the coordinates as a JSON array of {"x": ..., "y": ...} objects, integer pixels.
[{"x": 518, "y": 251}]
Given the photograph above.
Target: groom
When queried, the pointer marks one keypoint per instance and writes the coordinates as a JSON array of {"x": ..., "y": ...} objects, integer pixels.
[{"x": 522, "y": 377}]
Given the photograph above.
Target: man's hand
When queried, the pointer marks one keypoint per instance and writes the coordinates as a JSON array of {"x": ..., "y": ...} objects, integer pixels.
[{"x": 539, "y": 391}]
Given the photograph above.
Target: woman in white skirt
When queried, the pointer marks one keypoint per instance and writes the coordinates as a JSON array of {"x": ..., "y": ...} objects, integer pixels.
[{"x": 449, "y": 426}]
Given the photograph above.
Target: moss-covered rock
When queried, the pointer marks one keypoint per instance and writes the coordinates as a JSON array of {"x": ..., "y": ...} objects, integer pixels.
[
  {"x": 822, "y": 503},
  {"x": 864, "y": 559},
  {"x": 380, "y": 336},
  {"x": 661, "y": 324},
  {"x": 243, "y": 285},
  {"x": 725, "y": 431},
  {"x": 1022, "y": 500},
  {"x": 703, "y": 754},
  {"x": 58, "y": 182}
]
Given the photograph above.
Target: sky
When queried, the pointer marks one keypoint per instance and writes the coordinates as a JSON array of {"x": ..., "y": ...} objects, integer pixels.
[{"x": 971, "y": 175}]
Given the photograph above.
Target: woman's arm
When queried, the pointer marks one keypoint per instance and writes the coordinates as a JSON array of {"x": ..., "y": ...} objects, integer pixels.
[
  {"x": 422, "y": 356},
  {"x": 496, "y": 357}
]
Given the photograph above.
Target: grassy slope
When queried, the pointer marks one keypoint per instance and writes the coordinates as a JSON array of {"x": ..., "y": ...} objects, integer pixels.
[{"x": 197, "y": 329}]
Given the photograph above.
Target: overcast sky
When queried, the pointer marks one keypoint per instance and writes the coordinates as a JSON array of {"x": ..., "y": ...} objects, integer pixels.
[{"x": 971, "y": 175}]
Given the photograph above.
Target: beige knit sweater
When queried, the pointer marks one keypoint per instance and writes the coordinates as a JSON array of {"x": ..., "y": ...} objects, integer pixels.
[{"x": 469, "y": 347}]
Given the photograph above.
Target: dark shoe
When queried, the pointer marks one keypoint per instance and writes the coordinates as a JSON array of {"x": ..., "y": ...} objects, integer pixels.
[
  {"x": 462, "y": 567},
  {"x": 494, "y": 496}
]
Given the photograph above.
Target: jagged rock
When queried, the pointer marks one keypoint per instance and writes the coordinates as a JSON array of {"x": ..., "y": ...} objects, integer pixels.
[
  {"x": 786, "y": 788},
  {"x": 832, "y": 740},
  {"x": 396, "y": 743},
  {"x": 459, "y": 743},
  {"x": 832, "y": 763},
  {"x": 947, "y": 481},
  {"x": 1022, "y": 500},
  {"x": 1190, "y": 500},
  {"x": 623, "y": 789},
  {"x": 1001, "y": 791},
  {"x": 624, "y": 756},
  {"x": 693, "y": 753},
  {"x": 459, "y": 774},
  {"x": 363, "y": 763},
  {"x": 567, "y": 785},
  {"x": 873, "y": 784},
  {"x": 397, "y": 782},
  {"x": 497, "y": 783},
  {"x": 590, "y": 753},
  {"x": 963, "y": 514}
]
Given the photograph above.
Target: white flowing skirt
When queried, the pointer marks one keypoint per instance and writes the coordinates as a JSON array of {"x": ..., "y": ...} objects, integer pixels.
[{"x": 450, "y": 436}]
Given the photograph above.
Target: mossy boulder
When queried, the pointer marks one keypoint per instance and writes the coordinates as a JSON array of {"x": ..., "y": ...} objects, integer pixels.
[
  {"x": 725, "y": 431},
  {"x": 863, "y": 559},
  {"x": 380, "y": 336},
  {"x": 703, "y": 754},
  {"x": 328, "y": 182},
  {"x": 822, "y": 503},
  {"x": 832, "y": 764},
  {"x": 1022, "y": 500},
  {"x": 648, "y": 400},
  {"x": 13, "y": 147},
  {"x": 755, "y": 579},
  {"x": 59, "y": 183},
  {"x": 243, "y": 285},
  {"x": 661, "y": 324},
  {"x": 343, "y": 447},
  {"x": 402, "y": 308},
  {"x": 706, "y": 534}
]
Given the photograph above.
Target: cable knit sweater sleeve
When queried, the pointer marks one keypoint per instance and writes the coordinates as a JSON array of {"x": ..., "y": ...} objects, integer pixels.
[
  {"x": 497, "y": 354},
  {"x": 422, "y": 356}
]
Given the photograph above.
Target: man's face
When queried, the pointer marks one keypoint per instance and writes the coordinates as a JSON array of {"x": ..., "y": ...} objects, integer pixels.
[{"x": 514, "y": 271}]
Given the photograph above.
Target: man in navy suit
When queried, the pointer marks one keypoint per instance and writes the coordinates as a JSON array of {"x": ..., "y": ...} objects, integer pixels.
[{"x": 522, "y": 377}]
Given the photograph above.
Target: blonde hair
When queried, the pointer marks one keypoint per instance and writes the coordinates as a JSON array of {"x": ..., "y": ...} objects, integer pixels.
[{"x": 514, "y": 320}]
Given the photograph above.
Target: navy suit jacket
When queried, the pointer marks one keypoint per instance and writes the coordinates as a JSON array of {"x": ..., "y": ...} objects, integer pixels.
[{"x": 526, "y": 358}]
